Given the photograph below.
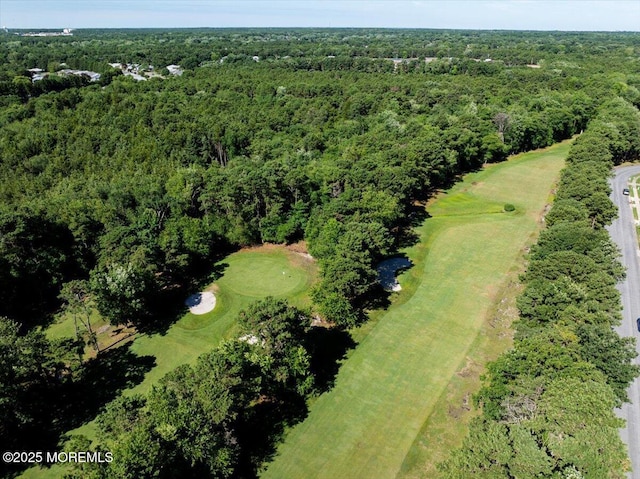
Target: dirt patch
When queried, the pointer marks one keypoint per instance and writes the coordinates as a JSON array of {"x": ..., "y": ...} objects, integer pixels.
[
  {"x": 103, "y": 329},
  {"x": 264, "y": 248},
  {"x": 319, "y": 322},
  {"x": 110, "y": 336},
  {"x": 469, "y": 369},
  {"x": 299, "y": 247},
  {"x": 457, "y": 411}
]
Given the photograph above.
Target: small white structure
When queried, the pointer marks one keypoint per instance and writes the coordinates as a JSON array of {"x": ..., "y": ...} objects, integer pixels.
[
  {"x": 249, "y": 339},
  {"x": 135, "y": 76},
  {"x": 93, "y": 76},
  {"x": 175, "y": 69}
]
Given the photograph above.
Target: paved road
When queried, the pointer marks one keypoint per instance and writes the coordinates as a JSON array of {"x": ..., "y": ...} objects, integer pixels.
[{"x": 624, "y": 235}]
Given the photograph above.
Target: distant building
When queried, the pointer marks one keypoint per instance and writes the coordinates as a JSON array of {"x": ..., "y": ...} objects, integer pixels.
[
  {"x": 135, "y": 76},
  {"x": 63, "y": 33},
  {"x": 175, "y": 69},
  {"x": 93, "y": 76}
]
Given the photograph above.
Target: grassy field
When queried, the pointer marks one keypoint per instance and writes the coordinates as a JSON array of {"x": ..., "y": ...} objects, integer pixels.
[
  {"x": 249, "y": 275},
  {"x": 395, "y": 389}
]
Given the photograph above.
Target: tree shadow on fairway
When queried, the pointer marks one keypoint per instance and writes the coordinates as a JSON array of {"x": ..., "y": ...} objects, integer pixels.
[
  {"x": 377, "y": 298},
  {"x": 102, "y": 380},
  {"x": 406, "y": 235},
  {"x": 261, "y": 431},
  {"x": 327, "y": 347},
  {"x": 68, "y": 403},
  {"x": 169, "y": 304}
]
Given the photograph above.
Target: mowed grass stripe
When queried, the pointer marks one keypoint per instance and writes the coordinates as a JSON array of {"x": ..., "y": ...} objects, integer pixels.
[
  {"x": 388, "y": 387},
  {"x": 249, "y": 275}
]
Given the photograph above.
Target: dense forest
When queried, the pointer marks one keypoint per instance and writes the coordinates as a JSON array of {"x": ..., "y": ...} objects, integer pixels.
[{"x": 124, "y": 191}]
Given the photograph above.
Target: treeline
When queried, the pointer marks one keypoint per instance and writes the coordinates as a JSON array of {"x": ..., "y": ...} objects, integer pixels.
[
  {"x": 92, "y": 49},
  {"x": 547, "y": 404},
  {"x": 143, "y": 182},
  {"x": 220, "y": 417},
  {"x": 128, "y": 193}
]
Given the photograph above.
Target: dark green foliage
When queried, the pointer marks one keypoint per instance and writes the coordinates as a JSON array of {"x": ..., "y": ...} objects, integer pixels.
[
  {"x": 33, "y": 370},
  {"x": 322, "y": 139},
  {"x": 132, "y": 190},
  {"x": 122, "y": 291},
  {"x": 612, "y": 355},
  {"x": 278, "y": 331},
  {"x": 221, "y": 416},
  {"x": 552, "y": 439},
  {"x": 548, "y": 403},
  {"x": 569, "y": 210},
  {"x": 35, "y": 256}
]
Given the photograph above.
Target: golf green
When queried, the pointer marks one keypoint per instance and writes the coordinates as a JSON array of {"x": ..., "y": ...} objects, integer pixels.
[
  {"x": 261, "y": 274},
  {"x": 248, "y": 276}
]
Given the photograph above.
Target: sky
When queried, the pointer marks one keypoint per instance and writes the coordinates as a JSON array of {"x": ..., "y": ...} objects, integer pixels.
[{"x": 581, "y": 15}]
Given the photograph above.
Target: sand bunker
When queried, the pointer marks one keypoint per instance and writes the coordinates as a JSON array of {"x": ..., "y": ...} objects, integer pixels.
[
  {"x": 387, "y": 270},
  {"x": 201, "y": 303}
]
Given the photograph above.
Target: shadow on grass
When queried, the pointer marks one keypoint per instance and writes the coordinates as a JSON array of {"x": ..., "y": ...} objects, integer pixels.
[
  {"x": 327, "y": 348},
  {"x": 260, "y": 432},
  {"x": 169, "y": 304},
  {"x": 64, "y": 404},
  {"x": 102, "y": 380},
  {"x": 406, "y": 235}
]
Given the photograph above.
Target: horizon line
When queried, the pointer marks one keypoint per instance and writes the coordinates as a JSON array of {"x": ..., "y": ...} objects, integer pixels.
[{"x": 7, "y": 29}]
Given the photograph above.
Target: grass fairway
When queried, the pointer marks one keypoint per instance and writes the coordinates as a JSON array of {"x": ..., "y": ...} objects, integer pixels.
[
  {"x": 249, "y": 275},
  {"x": 370, "y": 424}
]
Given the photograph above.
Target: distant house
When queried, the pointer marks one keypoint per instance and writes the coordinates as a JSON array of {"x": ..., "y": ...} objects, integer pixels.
[
  {"x": 135, "y": 76},
  {"x": 93, "y": 76},
  {"x": 175, "y": 69},
  {"x": 38, "y": 77}
]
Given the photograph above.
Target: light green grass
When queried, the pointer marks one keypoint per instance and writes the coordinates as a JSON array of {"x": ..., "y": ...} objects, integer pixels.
[
  {"x": 249, "y": 275},
  {"x": 633, "y": 193},
  {"x": 63, "y": 327},
  {"x": 388, "y": 388}
]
